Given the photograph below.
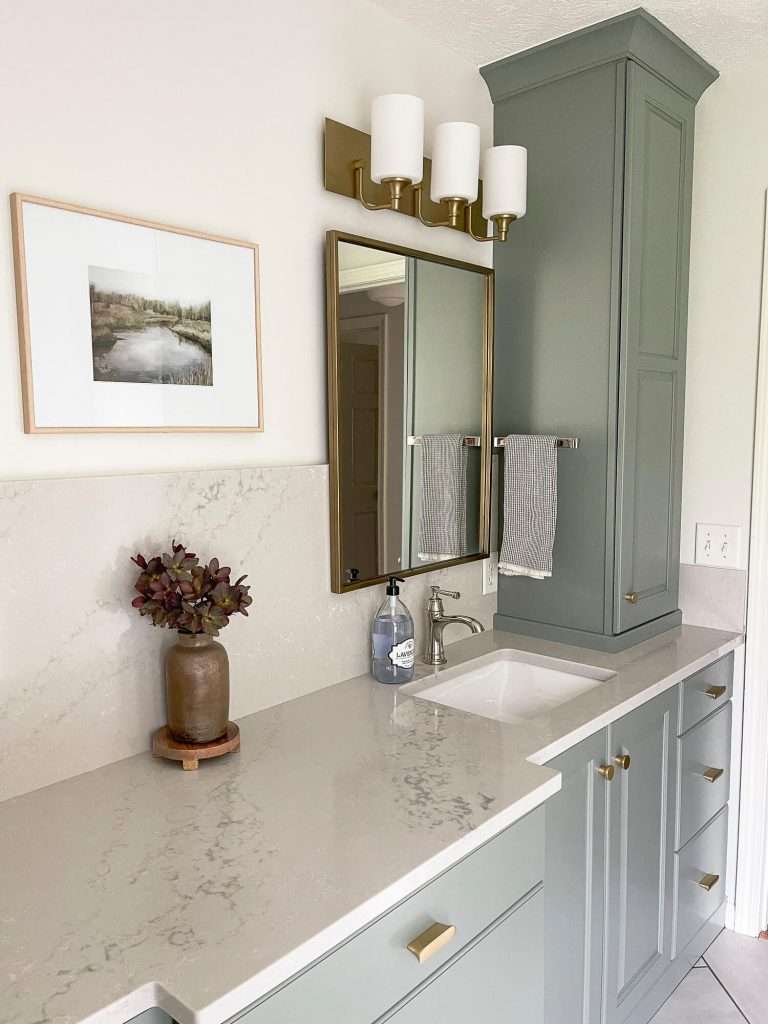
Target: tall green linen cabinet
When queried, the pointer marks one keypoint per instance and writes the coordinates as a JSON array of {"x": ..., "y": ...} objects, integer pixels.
[{"x": 591, "y": 313}]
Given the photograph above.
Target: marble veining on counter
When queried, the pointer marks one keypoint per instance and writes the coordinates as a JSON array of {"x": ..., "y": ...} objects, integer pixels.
[{"x": 138, "y": 884}]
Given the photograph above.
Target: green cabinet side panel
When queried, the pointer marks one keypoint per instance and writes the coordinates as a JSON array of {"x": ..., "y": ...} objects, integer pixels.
[
  {"x": 574, "y": 873},
  {"x": 657, "y": 217},
  {"x": 556, "y": 337},
  {"x": 641, "y": 832}
]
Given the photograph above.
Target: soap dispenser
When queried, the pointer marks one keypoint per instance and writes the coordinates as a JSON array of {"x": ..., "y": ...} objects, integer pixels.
[{"x": 393, "y": 645}]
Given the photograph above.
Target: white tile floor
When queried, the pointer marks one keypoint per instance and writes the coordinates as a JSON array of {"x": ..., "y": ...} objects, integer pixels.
[{"x": 728, "y": 986}]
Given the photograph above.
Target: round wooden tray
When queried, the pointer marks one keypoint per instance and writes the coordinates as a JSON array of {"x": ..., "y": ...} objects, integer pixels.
[{"x": 190, "y": 754}]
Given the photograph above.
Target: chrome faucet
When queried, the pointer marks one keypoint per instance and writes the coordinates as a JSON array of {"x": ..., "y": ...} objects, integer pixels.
[{"x": 437, "y": 620}]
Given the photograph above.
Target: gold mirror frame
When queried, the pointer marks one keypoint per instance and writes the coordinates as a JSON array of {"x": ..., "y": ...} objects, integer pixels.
[{"x": 338, "y": 584}]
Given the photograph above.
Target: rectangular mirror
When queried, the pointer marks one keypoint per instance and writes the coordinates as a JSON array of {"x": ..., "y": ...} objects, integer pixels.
[{"x": 409, "y": 410}]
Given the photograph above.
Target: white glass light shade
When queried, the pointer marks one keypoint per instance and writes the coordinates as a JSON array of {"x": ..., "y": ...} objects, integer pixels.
[
  {"x": 505, "y": 181},
  {"x": 397, "y": 137},
  {"x": 455, "y": 161}
]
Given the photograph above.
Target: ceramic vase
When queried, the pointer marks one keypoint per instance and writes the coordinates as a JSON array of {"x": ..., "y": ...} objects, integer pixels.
[{"x": 197, "y": 689}]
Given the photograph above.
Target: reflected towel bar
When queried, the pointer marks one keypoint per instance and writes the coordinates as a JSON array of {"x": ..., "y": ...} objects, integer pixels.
[
  {"x": 473, "y": 441},
  {"x": 560, "y": 442},
  {"x": 470, "y": 441}
]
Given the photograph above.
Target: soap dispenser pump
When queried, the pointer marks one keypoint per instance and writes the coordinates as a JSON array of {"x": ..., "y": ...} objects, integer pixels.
[{"x": 393, "y": 653}]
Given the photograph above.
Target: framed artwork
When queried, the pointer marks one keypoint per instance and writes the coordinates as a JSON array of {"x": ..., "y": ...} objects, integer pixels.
[{"x": 127, "y": 325}]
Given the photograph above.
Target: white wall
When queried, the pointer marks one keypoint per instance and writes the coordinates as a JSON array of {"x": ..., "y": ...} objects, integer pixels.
[
  {"x": 730, "y": 179},
  {"x": 208, "y": 114}
]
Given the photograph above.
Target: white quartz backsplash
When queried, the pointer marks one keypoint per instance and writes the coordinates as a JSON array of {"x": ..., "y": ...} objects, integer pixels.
[{"x": 81, "y": 673}]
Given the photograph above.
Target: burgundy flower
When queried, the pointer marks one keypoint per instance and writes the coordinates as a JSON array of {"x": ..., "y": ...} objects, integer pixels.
[{"x": 177, "y": 592}]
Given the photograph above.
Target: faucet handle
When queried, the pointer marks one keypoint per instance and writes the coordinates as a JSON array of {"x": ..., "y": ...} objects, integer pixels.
[{"x": 439, "y": 592}]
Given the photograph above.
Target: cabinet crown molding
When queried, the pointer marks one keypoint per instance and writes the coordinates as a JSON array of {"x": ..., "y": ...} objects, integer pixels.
[{"x": 636, "y": 35}]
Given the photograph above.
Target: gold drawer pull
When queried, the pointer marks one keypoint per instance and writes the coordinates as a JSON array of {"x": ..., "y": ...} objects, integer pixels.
[
  {"x": 632, "y": 597},
  {"x": 431, "y": 940},
  {"x": 712, "y": 774},
  {"x": 607, "y": 771},
  {"x": 708, "y": 882},
  {"x": 622, "y": 761},
  {"x": 715, "y": 692}
]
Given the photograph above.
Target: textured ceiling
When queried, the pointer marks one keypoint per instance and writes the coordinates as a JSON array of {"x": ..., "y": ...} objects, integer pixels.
[{"x": 725, "y": 32}]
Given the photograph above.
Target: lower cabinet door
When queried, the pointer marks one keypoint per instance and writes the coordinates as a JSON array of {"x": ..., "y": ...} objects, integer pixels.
[
  {"x": 641, "y": 819},
  {"x": 497, "y": 978},
  {"x": 574, "y": 884}
]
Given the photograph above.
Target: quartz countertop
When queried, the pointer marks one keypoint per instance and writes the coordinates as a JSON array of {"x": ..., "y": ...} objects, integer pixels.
[{"x": 140, "y": 885}]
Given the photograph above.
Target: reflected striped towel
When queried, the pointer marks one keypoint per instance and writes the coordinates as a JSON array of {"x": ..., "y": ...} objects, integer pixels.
[
  {"x": 530, "y": 505},
  {"x": 443, "y": 523}
]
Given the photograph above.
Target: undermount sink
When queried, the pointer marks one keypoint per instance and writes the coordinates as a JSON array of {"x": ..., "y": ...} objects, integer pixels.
[{"x": 512, "y": 686}]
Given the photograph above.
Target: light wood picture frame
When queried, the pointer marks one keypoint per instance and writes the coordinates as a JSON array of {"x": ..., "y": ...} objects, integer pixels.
[{"x": 132, "y": 326}]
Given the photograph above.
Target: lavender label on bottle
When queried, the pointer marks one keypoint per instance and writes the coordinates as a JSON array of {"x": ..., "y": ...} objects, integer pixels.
[{"x": 404, "y": 654}]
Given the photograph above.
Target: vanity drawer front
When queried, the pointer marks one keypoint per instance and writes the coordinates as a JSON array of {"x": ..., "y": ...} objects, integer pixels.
[
  {"x": 705, "y": 757},
  {"x": 700, "y": 863},
  {"x": 705, "y": 692},
  {"x": 371, "y": 972},
  {"x": 498, "y": 978}
]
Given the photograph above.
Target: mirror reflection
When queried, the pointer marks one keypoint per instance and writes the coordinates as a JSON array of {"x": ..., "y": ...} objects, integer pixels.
[{"x": 409, "y": 345}]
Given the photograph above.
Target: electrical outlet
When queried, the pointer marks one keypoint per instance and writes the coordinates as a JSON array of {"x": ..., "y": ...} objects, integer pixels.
[
  {"x": 718, "y": 545},
  {"x": 491, "y": 573}
]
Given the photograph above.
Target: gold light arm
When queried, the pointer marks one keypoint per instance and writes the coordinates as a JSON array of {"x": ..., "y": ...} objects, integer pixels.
[
  {"x": 454, "y": 210},
  {"x": 396, "y": 188},
  {"x": 501, "y": 222}
]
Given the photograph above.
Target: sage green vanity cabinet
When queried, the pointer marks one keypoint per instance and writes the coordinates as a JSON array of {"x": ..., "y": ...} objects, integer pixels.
[
  {"x": 640, "y": 867},
  {"x": 492, "y": 962},
  {"x": 591, "y": 311},
  {"x": 631, "y": 900},
  {"x": 153, "y": 1016}
]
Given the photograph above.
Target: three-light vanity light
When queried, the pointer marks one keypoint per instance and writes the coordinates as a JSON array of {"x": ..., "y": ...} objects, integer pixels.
[{"x": 397, "y": 160}]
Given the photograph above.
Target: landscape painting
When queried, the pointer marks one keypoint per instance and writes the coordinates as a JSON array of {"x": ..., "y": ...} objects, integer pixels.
[
  {"x": 149, "y": 328},
  {"x": 130, "y": 325}
]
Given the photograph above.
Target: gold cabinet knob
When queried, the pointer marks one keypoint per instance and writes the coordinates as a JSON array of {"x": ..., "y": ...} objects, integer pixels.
[
  {"x": 431, "y": 940},
  {"x": 623, "y": 761},
  {"x": 712, "y": 774},
  {"x": 715, "y": 692},
  {"x": 607, "y": 771},
  {"x": 708, "y": 882},
  {"x": 631, "y": 597}
]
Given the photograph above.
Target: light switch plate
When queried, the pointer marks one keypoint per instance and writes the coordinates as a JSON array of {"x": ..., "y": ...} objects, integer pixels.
[
  {"x": 491, "y": 573},
  {"x": 718, "y": 545}
]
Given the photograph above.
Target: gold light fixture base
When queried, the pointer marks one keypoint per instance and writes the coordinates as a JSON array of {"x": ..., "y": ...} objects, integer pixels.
[{"x": 501, "y": 222}]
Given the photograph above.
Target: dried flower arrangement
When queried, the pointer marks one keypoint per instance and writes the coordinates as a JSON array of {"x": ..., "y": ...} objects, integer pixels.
[{"x": 176, "y": 591}]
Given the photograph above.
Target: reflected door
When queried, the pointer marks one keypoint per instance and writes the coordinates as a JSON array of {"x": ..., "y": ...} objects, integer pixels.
[{"x": 362, "y": 348}]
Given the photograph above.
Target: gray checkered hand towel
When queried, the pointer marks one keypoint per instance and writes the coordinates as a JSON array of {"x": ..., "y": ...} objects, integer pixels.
[
  {"x": 530, "y": 505},
  {"x": 443, "y": 524}
]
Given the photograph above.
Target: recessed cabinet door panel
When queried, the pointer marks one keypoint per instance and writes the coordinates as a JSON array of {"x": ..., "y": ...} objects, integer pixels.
[
  {"x": 659, "y": 151},
  {"x": 640, "y": 851}
]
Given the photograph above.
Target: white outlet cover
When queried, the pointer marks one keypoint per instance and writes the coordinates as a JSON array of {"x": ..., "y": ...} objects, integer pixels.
[
  {"x": 491, "y": 573},
  {"x": 718, "y": 545}
]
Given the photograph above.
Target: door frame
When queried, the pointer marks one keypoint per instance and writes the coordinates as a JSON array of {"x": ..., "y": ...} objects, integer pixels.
[{"x": 751, "y": 909}]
